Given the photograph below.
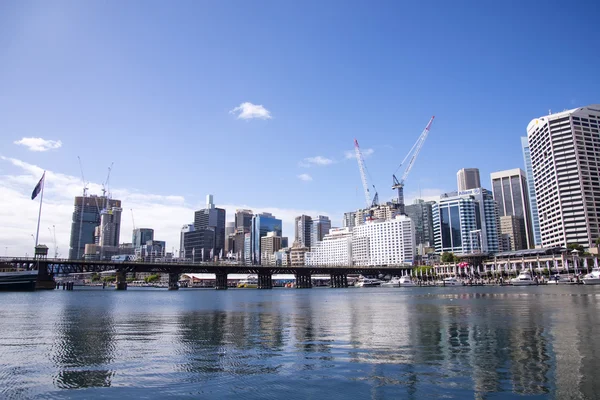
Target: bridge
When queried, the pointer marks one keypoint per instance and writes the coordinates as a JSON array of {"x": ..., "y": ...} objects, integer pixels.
[{"x": 49, "y": 268}]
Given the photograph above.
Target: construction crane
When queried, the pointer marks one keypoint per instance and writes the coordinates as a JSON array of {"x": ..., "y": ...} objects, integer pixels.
[
  {"x": 412, "y": 154},
  {"x": 85, "y": 188},
  {"x": 105, "y": 186},
  {"x": 363, "y": 175},
  {"x": 132, "y": 220}
]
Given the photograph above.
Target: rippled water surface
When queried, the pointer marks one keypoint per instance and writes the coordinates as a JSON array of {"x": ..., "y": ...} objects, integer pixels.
[{"x": 540, "y": 342}]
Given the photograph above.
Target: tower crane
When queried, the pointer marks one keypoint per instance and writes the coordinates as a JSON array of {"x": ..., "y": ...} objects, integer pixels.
[
  {"x": 85, "y": 188},
  {"x": 105, "y": 186},
  {"x": 412, "y": 154},
  {"x": 132, "y": 220},
  {"x": 361, "y": 166}
]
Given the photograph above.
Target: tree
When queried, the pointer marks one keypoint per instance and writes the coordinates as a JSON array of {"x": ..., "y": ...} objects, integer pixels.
[
  {"x": 576, "y": 246},
  {"x": 448, "y": 257},
  {"x": 152, "y": 278}
]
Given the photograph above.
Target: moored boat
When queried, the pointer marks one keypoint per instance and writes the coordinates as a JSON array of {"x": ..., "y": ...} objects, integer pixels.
[
  {"x": 593, "y": 278},
  {"x": 368, "y": 282},
  {"x": 406, "y": 281},
  {"x": 451, "y": 281},
  {"x": 524, "y": 279}
]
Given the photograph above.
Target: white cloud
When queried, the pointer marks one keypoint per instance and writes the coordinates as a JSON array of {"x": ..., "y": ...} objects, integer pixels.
[
  {"x": 317, "y": 160},
  {"x": 39, "y": 144},
  {"x": 248, "y": 110},
  {"x": 305, "y": 177},
  {"x": 352, "y": 153},
  {"x": 164, "y": 213}
]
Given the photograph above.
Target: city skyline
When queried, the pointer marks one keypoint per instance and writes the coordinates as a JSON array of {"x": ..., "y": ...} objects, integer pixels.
[{"x": 276, "y": 116}]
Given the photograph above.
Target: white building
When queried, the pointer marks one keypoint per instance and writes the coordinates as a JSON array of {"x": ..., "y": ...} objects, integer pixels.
[
  {"x": 384, "y": 242},
  {"x": 334, "y": 250},
  {"x": 565, "y": 156}
]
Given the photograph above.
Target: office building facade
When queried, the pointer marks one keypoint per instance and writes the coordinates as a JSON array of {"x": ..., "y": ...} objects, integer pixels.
[
  {"x": 261, "y": 225},
  {"x": 320, "y": 227},
  {"x": 533, "y": 210},
  {"x": 509, "y": 189},
  {"x": 468, "y": 178},
  {"x": 302, "y": 230},
  {"x": 334, "y": 250},
  {"x": 565, "y": 158},
  {"x": 420, "y": 212},
  {"x": 141, "y": 236},
  {"x": 269, "y": 245},
  {"x": 466, "y": 223}
]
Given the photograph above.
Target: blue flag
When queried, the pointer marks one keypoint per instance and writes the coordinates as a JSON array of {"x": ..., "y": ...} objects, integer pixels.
[{"x": 38, "y": 187}]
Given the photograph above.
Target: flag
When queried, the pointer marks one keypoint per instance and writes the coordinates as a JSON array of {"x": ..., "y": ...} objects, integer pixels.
[{"x": 38, "y": 187}]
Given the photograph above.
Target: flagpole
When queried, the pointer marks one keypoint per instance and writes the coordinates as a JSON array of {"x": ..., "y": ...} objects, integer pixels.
[{"x": 37, "y": 233}]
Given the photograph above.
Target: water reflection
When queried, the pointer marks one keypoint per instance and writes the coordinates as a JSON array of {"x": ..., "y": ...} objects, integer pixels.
[{"x": 379, "y": 343}]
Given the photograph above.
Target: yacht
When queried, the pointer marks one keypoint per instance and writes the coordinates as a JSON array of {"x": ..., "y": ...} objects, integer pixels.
[
  {"x": 452, "y": 281},
  {"x": 593, "y": 278},
  {"x": 368, "y": 282},
  {"x": 524, "y": 279},
  {"x": 406, "y": 281},
  {"x": 394, "y": 282},
  {"x": 560, "y": 280}
]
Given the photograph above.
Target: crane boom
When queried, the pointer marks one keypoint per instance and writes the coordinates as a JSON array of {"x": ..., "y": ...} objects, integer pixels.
[
  {"x": 412, "y": 157},
  {"x": 363, "y": 175}
]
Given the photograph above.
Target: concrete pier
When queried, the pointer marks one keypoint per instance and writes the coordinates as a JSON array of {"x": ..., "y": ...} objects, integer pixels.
[
  {"x": 303, "y": 281},
  {"x": 221, "y": 281},
  {"x": 265, "y": 281},
  {"x": 173, "y": 281},
  {"x": 120, "y": 281},
  {"x": 339, "y": 281}
]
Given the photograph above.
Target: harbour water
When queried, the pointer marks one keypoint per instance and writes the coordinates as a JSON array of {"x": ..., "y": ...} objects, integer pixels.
[{"x": 376, "y": 343}]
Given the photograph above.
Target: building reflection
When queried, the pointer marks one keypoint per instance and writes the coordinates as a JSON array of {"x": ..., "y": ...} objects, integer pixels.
[{"x": 83, "y": 347}]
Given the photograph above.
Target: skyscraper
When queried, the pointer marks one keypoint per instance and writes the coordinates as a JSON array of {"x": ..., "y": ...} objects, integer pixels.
[
  {"x": 141, "y": 236},
  {"x": 321, "y": 225},
  {"x": 565, "y": 157},
  {"x": 533, "y": 210},
  {"x": 468, "y": 178},
  {"x": 184, "y": 229},
  {"x": 510, "y": 192},
  {"x": 261, "y": 224},
  {"x": 467, "y": 223},
  {"x": 420, "y": 214},
  {"x": 243, "y": 220},
  {"x": 87, "y": 217},
  {"x": 302, "y": 230},
  {"x": 208, "y": 236},
  {"x": 229, "y": 234}
]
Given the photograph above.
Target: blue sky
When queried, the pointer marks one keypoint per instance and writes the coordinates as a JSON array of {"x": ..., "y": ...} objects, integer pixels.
[{"x": 150, "y": 86}]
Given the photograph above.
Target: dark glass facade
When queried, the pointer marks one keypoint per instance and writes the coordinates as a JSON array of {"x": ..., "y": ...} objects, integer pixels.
[{"x": 261, "y": 224}]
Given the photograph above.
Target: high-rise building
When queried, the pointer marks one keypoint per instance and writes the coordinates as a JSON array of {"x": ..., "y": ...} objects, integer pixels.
[
  {"x": 214, "y": 218},
  {"x": 184, "y": 229},
  {"x": 243, "y": 220},
  {"x": 512, "y": 230},
  {"x": 320, "y": 227},
  {"x": 384, "y": 242},
  {"x": 565, "y": 158},
  {"x": 349, "y": 219},
  {"x": 510, "y": 192},
  {"x": 468, "y": 178},
  {"x": 421, "y": 215},
  {"x": 302, "y": 230},
  {"x": 533, "y": 210},
  {"x": 141, "y": 236},
  {"x": 261, "y": 224},
  {"x": 466, "y": 223},
  {"x": 269, "y": 244},
  {"x": 229, "y": 237},
  {"x": 382, "y": 211},
  {"x": 109, "y": 231},
  {"x": 207, "y": 240},
  {"x": 86, "y": 218}
]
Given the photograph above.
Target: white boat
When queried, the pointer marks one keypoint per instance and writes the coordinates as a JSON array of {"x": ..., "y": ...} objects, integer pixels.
[
  {"x": 368, "y": 282},
  {"x": 452, "y": 281},
  {"x": 394, "y": 282},
  {"x": 524, "y": 279},
  {"x": 406, "y": 281},
  {"x": 593, "y": 278}
]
